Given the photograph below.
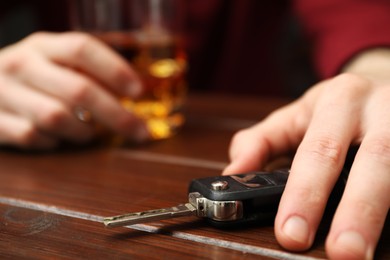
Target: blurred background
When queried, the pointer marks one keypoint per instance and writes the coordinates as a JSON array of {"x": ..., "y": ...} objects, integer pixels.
[{"x": 218, "y": 61}]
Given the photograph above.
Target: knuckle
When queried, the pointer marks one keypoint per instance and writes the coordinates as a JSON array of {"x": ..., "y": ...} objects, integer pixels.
[
  {"x": 240, "y": 135},
  {"x": 52, "y": 117},
  {"x": 15, "y": 63},
  {"x": 369, "y": 211},
  {"x": 20, "y": 56},
  {"x": 121, "y": 73},
  {"x": 80, "y": 91},
  {"x": 27, "y": 135},
  {"x": 350, "y": 79},
  {"x": 36, "y": 37},
  {"x": 347, "y": 88},
  {"x": 246, "y": 139},
  {"x": 80, "y": 44},
  {"x": 311, "y": 197},
  {"x": 325, "y": 150},
  {"x": 378, "y": 149}
]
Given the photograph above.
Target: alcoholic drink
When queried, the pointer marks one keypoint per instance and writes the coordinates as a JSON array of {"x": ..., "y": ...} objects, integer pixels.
[{"x": 160, "y": 61}]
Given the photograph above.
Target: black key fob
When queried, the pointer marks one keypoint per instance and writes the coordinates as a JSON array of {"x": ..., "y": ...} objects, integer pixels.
[
  {"x": 258, "y": 192},
  {"x": 255, "y": 196}
]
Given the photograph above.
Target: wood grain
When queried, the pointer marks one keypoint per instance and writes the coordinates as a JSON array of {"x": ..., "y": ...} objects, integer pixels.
[{"x": 52, "y": 204}]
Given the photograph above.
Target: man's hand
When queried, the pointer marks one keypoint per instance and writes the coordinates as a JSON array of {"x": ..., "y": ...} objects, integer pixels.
[{"x": 349, "y": 109}]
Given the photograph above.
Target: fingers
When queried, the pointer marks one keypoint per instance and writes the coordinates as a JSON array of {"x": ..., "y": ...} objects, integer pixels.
[
  {"x": 75, "y": 90},
  {"x": 343, "y": 111},
  {"x": 17, "y": 131},
  {"x": 85, "y": 53},
  {"x": 361, "y": 214},
  {"x": 278, "y": 134},
  {"x": 318, "y": 162},
  {"x": 45, "y": 113},
  {"x": 57, "y": 73},
  {"x": 360, "y": 217}
]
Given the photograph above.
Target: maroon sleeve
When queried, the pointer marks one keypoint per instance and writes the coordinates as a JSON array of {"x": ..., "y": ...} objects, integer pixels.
[{"x": 339, "y": 29}]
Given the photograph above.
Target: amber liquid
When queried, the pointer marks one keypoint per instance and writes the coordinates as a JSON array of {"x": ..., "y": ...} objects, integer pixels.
[{"x": 160, "y": 62}]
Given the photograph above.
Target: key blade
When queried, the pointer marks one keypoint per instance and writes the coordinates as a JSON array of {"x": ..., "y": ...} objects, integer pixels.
[{"x": 151, "y": 215}]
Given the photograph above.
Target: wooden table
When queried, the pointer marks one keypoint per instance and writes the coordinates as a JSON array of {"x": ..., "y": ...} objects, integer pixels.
[{"x": 52, "y": 204}]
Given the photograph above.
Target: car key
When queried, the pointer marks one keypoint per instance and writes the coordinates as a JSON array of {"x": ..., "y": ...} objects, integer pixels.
[
  {"x": 234, "y": 198},
  {"x": 224, "y": 200}
]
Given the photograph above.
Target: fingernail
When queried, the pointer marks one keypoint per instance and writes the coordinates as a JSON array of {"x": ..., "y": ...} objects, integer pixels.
[
  {"x": 354, "y": 243},
  {"x": 297, "y": 229},
  {"x": 134, "y": 88}
]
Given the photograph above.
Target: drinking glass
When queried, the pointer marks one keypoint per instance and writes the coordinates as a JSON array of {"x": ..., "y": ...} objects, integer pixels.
[{"x": 148, "y": 34}]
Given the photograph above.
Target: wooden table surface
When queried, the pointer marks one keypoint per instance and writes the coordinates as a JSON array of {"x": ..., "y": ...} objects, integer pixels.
[{"x": 52, "y": 204}]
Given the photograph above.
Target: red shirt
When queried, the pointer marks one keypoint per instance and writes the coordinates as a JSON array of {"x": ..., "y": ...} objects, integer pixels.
[
  {"x": 339, "y": 29},
  {"x": 249, "y": 44}
]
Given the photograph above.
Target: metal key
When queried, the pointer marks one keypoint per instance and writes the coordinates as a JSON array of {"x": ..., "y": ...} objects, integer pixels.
[
  {"x": 150, "y": 215},
  {"x": 197, "y": 206}
]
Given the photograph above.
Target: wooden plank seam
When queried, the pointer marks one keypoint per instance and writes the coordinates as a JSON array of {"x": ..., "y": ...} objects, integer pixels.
[{"x": 151, "y": 229}]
